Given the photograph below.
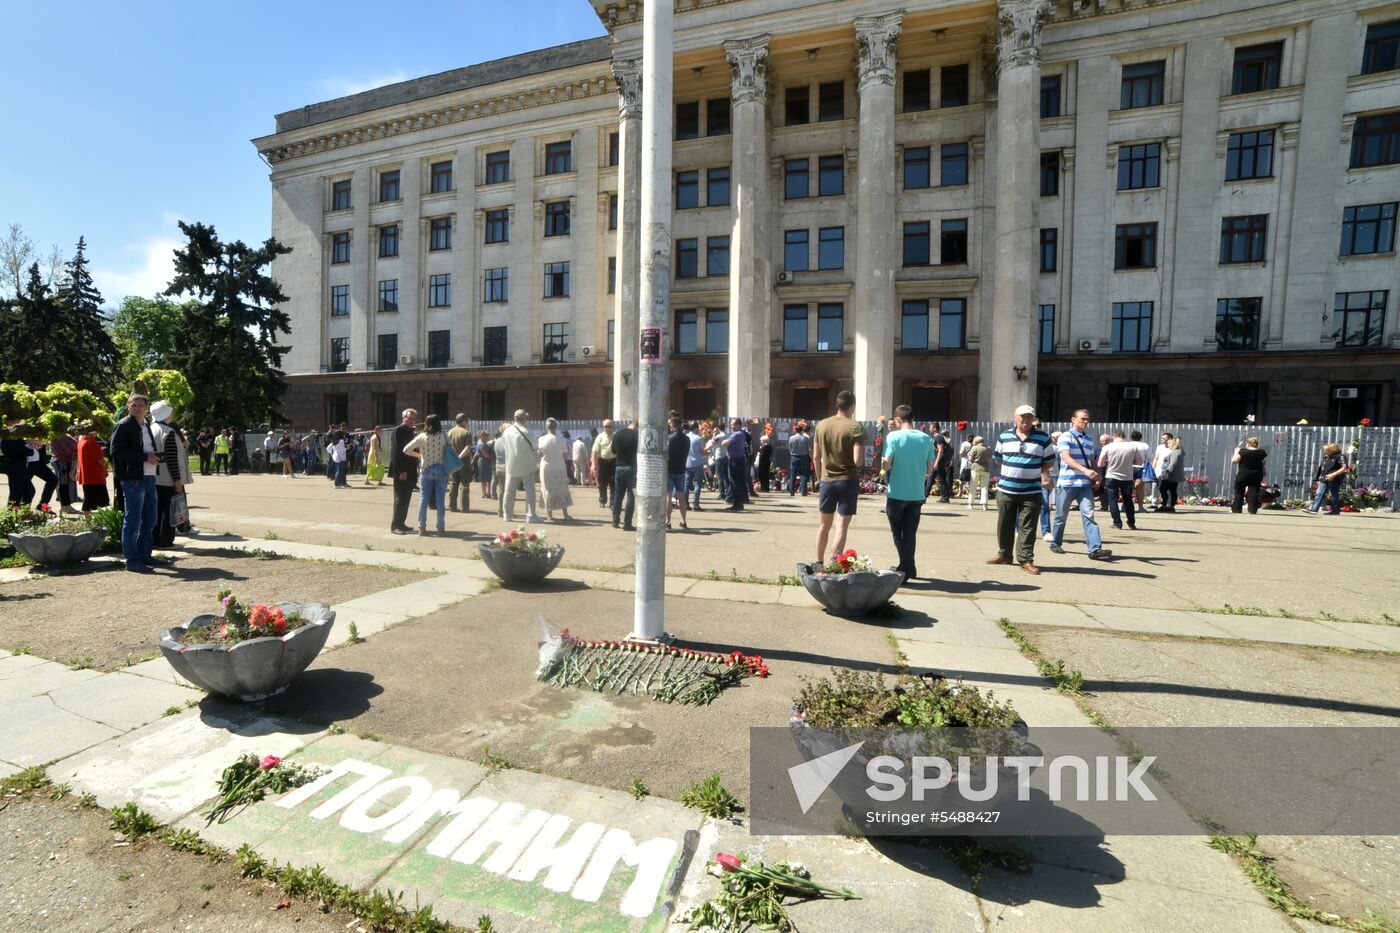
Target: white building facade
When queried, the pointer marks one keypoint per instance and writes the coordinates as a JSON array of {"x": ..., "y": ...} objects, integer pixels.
[{"x": 1162, "y": 211}]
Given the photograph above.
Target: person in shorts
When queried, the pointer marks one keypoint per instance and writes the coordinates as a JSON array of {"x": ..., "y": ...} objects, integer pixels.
[
  {"x": 677, "y": 477},
  {"x": 838, "y": 449}
]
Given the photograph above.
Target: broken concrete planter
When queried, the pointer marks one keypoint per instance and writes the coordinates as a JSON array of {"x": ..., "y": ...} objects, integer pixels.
[
  {"x": 254, "y": 669},
  {"x": 55, "y": 550},
  {"x": 519, "y": 568},
  {"x": 850, "y": 593}
]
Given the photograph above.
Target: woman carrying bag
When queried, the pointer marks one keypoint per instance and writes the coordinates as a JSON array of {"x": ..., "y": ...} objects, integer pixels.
[
  {"x": 1330, "y": 474},
  {"x": 172, "y": 475}
]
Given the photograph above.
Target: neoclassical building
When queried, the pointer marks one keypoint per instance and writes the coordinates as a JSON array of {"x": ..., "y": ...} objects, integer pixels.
[{"x": 1163, "y": 210}]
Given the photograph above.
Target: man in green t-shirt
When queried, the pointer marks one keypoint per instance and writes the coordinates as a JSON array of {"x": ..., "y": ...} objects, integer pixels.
[
  {"x": 604, "y": 462},
  {"x": 838, "y": 450},
  {"x": 909, "y": 462}
]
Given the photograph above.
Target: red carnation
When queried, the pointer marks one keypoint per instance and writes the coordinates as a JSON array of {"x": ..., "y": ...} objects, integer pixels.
[
  {"x": 1365, "y": 423},
  {"x": 730, "y": 862},
  {"x": 270, "y": 762}
]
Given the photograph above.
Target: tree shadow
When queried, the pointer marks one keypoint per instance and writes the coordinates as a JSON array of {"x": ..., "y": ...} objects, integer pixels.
[{"x": 20, "y": 597}]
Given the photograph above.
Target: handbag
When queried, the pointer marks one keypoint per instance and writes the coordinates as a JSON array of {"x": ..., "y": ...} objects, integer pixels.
[
  {"x": 451, "y": 461},
  {"x": 179, "y": 510},
  {"x": 1149, "y": 475}
]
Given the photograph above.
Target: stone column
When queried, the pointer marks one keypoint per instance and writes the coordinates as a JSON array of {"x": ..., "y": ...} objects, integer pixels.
[
  {"x": 363, "y": 348},
  {"x": 874, "y": 314},
  {"x": 628, "y": 73},
  {"x": 1008, "y": 346},
  {"x": 750, "y": 249}
]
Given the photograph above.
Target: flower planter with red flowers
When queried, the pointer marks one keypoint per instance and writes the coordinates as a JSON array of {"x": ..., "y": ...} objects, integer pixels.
[
  {"x": 520, "y": 557},
  {"x": 848, "y": 584},
  {"x": 250, "y": 654}
]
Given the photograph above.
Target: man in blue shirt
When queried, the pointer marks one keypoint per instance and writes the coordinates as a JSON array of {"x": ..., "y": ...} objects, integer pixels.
[
  {"x": 737, "y": 448},
  {"x": 1077, "y": 484},
  {"x": 695, "y": 462},
  {"x": 908, "y": 461},
  {"x": 1024, "y": 455}
]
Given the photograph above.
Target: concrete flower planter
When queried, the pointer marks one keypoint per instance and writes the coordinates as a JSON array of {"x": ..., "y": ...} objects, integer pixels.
[
  {"x": 518, "y": 568},
  {"x": 850, "y": 593},
  {"x": 58, "y": 549},
  {"x": 254, "y": 669}
]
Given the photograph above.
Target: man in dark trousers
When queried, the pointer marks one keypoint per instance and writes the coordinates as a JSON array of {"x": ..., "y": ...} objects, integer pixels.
[
  {"x": 624, "y": 447},
  {"x": 404, "y": 469},
  {"x": 132, "y": 448}
]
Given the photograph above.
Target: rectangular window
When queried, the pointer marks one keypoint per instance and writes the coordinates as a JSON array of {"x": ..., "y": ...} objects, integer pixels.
[
  {"x": 1249, "y": 155},
  {"x": 389, "y": 186},
  {"x": 687, "y": 332},
  {"x": 1049, "y": 174},
  {"x": 440, "y": 291},
  {"x": 795, "y": 250},
  {"x": 687, "y": 258},
  {"x": 497, "y": 285},
  {"x": 1135, "y": 246},
  {"x": 916, "y": 91},
  {"x": 556, "y": 280},
  {"x": 493, "y": 349},
  {"x": 830, "y": 319},
  {"x": 1049, "y": 249},
  {"x": 388, "y": 351},
  {"x": 916, "y": 245},
  {"x": 1376, "y": 140},
  {"x": 435, "y": 403},
  {"x": 717, "y": 117},
  {"x": 913, "y": 333},
  {"x": 717, "y": 187},
  {"x": 1362, "y": 318},
  {"x": 795, "y": 178},
  {"x": 498, "y": 167},
  {"x": 440, "y": 177},
  {"x": 831, "y": 101},
  {"x": 1049, "y": 96},
  {"x": 1348, "y": 404},
  {"x": 1139, "y": 166},
  {"x": 493, "y": 405},
  {"x": 556, "y": 341},
  {"x": 498, "y": 226},
  {"x": 386, "y": 409},
  {"x": 558, "y": 158},
  {"x": 952, "y": 323},
  {"x": 439, "y": 348},
  {"x": 612, "y": 211},
  {"x": 1047, "y": 329},
  {"x": 1232, "y": 403},
  {"x": 388, "y": 241},
  {"x": 797, "y": 108},
  {"x": 612, "y": 275},
  {"x": 717, "y": 255},
  {"x": 612, "y": 334},
  {"x": 1257, "y": 68},
  {"x": 554, "y": 403},
  {"x": 614, "y": 148},
  {"x": 916, "y": 173},
  {"x": 340, "y": 300},
  {"x": 389, "y": 296},
  {"x": 1382, "y": 50},
  {"x": 953, "y": 87},
  {"x": 954, "y": 164},
  {"x": 687, "y": 190},
  {"x": 340, "y": 247},
  {"x": 1132, "y": 327},
  {"x": 340, "y": 195},
  {"x": 440, "y": 233},
  {"x": 556, "y": 218},
  {"x": 688, "y": 120},
  {"x": 1142, "y": 85},
  {"x": 1237, "y": 323},
  {"x": 831, "y": 176},
  {"x": 831, "y": 248},
  {"x": 794, "y": 328},
  {"x": 952, "y": 243},
  {"x": 1243, "y": 239},
  {"x": 1368, "y": 229},
  {"x": 717, "y": 330},
  {"x": 340, "y": 354}
]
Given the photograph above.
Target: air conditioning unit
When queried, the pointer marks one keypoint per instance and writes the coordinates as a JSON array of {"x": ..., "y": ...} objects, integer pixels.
[
  {"x": 406, "y": 360},
  {"x": 1349, "y": 392},
  {"x": 1131, "y": 393},
  {"x": 785, "y": 278},
  {"x": 588, "y": 351},
  {"x": 1086, "y": 346}
]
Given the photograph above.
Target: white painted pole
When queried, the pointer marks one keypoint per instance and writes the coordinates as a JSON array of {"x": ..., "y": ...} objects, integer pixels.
[{"x": 654, "y": 358}]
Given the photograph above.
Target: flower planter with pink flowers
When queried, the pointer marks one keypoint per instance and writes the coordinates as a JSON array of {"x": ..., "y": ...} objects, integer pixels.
[{"x": 520, "y": 557}]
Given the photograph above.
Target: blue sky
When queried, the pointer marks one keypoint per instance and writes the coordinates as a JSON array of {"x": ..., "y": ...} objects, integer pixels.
[{"x": 121, "y": 118}]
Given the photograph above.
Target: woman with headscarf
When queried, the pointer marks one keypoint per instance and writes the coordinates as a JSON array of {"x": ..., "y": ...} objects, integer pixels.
[
  {"x": 173, "y": 471},
  {"x": 554, "y": 475}
]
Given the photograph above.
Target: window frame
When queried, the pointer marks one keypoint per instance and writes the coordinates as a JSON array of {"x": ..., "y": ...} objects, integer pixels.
[
  {"x": 1053, "y": 86},
  {"x": 825, "y": 237},
  {"x": 1237, "y": 323},
  {"x": 340, "y": 247},
  {"x": 1384, "y": 127},
  {"x": 439, "y": 349},
  {"x": 440, "y": 290},
  {"x": 496, "y": 226},
  {"x": 1050, "y": 172},
  {"x": 1382, "y": 229},
  {"x": 795, "y": 320},
  {"x": 1049, "y": 249},
  {"x": 831, "y": 169},
  {"x": 390, "y": 186},
  {"x": 717, "y": 177},
  {"x": 1142, "y": 160},
  {"x": 557, "y": 220},
  {"x": 340, "y": 301},
  {"x": 388, "y": 301},
  {"x": 1244, "y": 238},
  {"x": 951, "y": 232},
  {"x": 920, "y": 312},
  {"x": 559, "y": 157},
  {"x": 793, "y": 171},
  {"x": 495, "y": 345},
  {"x": 556, "y": 279},
  {"x": 714, "y": 106},
  {"x": 1382, "y": 41},
  {"x": 916, "y": 94},
  {"x": 497, "y": 164},
  {"x": 1120, "y": 322},
  {"x": 684, "y": 325},
  {"x": 915, "y": 157},
  {"x": 831, "y": 311},
  {"x": 687, "y": 119},
  {"x": 440, "y": 177},
  {"x": 553, "y": 351},
  {"x": 687, "y": 180},
  {"x": 439, "y": 234},
  {"x": 1045, "y": 341},
  {"x": 1142, "y": 81},
  {"x": 687, "y": 257},
  {"x": 912, "y": 234},
  {"x": 493, "y": 284},
  {"x": 953, "y": 156},
  {"x": 1253, "y": 146},
  {"x": 386, "y": 348},
  {"x": 792, "y": 239},
  {"x": 954, "y": 86},
  {"x": 717, "y": 256},
  {"x": 1257, "y": 67},
  {"x": 716, "y": 323},
  {"x": 389, "y": 241},
  {"x": 1374, "y": 307},
  {"x": 797, "y": 101},
  {"x": 1139, "y": 238},
  {"x": 341, "y": 186},
  {"x": 831, "y": 101},
  {"x": 952, "y": 310},
  {"x": 340, "y": 354}
]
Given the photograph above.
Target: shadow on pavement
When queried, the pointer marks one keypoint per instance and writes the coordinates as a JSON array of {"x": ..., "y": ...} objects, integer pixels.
[
  {"x": 326, "y": 695},
  {"x": 247, "y": 719},
  {"x": 967, "y": 587},
  {"x": 1244, "y": 696}
]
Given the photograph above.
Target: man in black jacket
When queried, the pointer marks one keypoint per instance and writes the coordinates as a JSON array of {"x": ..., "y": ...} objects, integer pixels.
[
  {"x": 132, "y": 448},
  {"x": 404, "y": 469}
]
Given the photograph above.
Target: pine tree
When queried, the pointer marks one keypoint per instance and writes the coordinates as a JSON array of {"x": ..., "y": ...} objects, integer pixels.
[{"x": 84, "y": 344}]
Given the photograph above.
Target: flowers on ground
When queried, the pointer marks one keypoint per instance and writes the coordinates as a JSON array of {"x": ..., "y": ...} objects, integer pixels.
[
  {"x": 250, "y": 779},
  {"x": 663, "y": 672},
  {"x": 523, "y": 540},
  {"x": 753, "y": 893}
]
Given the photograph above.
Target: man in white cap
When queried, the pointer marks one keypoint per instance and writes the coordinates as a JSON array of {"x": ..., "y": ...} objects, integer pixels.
[
  {"x": 522, "y": 464},
  {"x": 269, "y": 448},
  {"x": 1024, "y": 455}
]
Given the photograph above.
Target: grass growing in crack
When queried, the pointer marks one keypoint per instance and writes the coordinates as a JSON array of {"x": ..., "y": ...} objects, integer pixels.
[
  {"x": 639, "y": 790},
  {"x": 335, "y": 728},
  {"x": 271, "y": 536},
  {"x": 22, "y": 649},
  {"x": 172, "y": 711},
  {"x": 975, "y": 856},
  {"x": 1229, "y": 610},
  {"x": 888, "y": 610},
  {"x": 901, "y": 660},
  {"x": 1066, "y": 680},
  {"x": 711, "y": 798},
  {"x": 493, "y": 762},
  {"x": 87, "y": 801},
  {"x": 369, "y": 736},
  {"x": 81, "y": 664},
  {"x": 484, "y": 924},
  {"x": 24, "y": 782},
  {"x": 352, "y": 635},
  {"x": 1385, "y": 619},
  {"x": 132, "y": 822},
  {"x": 187, "y": 840}
]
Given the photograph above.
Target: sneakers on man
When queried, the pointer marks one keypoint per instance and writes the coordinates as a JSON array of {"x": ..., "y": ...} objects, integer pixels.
[
  {"x": 1102, "y": 553},
  {"x": 1055, "y": 548}
]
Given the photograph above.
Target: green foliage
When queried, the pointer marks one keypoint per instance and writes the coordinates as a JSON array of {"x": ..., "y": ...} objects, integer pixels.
[
  {"x": 24, "y": 782},
  {"x": 45, "y": 414},
  {"x": 639, "y": 790},
  {"x": 187, "y": 840},
  {"x": 852, "y": 700},
  {"x": 132, "y": 822},
  {"x": 167, "y": 384},
  {"x": 109, "y": 520},
  {"x": 81, "y": 664},
  {"x": 493, "y": 762},
  {"x": 1066, "y": 680},
  {"x": 147, "y": 333},
  {"x": 710, "y": 798}
]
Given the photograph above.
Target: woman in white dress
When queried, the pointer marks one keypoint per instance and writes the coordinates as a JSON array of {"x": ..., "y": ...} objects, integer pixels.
[{"x": 554, "y": 476}]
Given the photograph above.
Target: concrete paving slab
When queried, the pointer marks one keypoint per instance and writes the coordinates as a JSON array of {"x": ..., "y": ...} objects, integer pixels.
[
  {"x": 1287, "y": 632},
  {"x": 1159, "y": 621},
  {"x": 940, "y": 607},
  {"x": 1384, "y": 637},
  {"x": 14, "y": 663},
  {"x": 160, "y": 669},
  {"x": 172, "y": 766},
  {"x": 949, "y": 629},
  {"x": 997, "y": 668},
  {"x": 798, "y": 597},
  {"x": 1027, "y": 612},
  {"x": 424, "y": 563},
  {"x": 366, "y": 623},
  {"x": 122, "y": 701},
  {"x": 36, "y": 679},
  {"x": 404, "y": 601},
  {"x": 735, "y": 592},
  {"x": 34, "y": 732},
  {"x": 459, "y": 584},
  {"x": 7, "y": 769}
]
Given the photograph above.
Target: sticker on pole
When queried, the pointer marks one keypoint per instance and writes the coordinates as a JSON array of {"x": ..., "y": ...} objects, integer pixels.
[
  {"x": 651, "y": 474},
  {"x": 651, "y": 345}
]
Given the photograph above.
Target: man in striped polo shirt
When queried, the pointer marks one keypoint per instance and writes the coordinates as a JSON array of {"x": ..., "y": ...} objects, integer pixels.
[
  {"x": 1076, "y": 486},
  {"x": 1023, "y": 455}
]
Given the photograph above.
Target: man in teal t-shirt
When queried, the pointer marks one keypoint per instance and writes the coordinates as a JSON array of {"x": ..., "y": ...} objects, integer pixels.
[{"x": 908, "y": 461}]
